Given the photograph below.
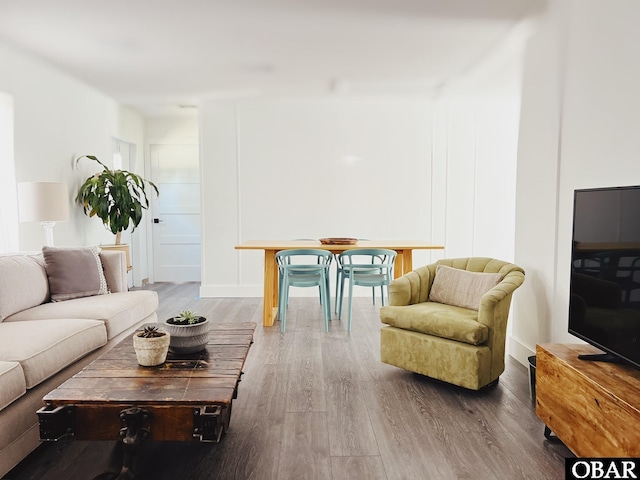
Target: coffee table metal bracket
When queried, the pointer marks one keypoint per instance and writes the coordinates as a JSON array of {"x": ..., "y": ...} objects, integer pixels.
[
  {"x": 209, "y": 423},
  {"x": 56, "y": 422}
]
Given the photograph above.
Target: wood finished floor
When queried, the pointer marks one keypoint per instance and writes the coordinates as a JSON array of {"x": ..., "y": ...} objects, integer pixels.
[{"x": 316, "y": 405}]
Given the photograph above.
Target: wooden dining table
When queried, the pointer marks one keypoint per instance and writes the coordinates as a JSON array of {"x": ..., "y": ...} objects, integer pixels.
[{"x": 403, "y": 263}]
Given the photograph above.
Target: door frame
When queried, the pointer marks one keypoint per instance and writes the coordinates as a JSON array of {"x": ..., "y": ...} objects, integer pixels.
[{"x": 150, "y": 213}]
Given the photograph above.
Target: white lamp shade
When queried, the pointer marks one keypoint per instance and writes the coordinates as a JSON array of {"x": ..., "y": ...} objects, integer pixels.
[{"x": 43, "y": 202}]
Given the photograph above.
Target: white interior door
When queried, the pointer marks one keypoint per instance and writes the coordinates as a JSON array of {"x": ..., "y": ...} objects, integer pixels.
[{"x": 176, "y": 233}]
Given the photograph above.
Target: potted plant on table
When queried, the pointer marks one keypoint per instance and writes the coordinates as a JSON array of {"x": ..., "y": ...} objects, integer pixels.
[
  {"x": 151, "y": 346},
  {"x": 117, "y": 197},
  {"x": 189, "y": 332}
]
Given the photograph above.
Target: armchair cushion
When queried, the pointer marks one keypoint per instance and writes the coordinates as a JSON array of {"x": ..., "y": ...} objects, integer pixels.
[
  {"x": 461, "y": 288},
  {"x": 446, "y": 321}
]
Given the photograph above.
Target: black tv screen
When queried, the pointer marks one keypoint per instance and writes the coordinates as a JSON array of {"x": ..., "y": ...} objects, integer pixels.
[{"x": 604, "y": 300}]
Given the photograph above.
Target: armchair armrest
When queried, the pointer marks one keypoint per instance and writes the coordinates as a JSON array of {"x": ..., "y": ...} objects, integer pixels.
[
  {"x": 492, "y": 301},
  {"x": 400, "y": 291},
  {"x": 412, "y": 287},
  {"x": 114, "y": 264}
]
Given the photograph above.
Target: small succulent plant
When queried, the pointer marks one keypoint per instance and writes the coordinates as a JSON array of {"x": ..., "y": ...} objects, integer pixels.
[
  {"x": 186, "y": 317},
  {"x": 151, "y": 331}
]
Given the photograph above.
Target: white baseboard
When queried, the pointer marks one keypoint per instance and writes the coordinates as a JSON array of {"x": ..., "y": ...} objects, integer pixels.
[{"x": 519, "y": 351}]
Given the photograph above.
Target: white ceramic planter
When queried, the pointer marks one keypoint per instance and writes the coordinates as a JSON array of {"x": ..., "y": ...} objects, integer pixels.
[
  {"x": 188, "y": 338},
  {"x": 151, "y": 351}
]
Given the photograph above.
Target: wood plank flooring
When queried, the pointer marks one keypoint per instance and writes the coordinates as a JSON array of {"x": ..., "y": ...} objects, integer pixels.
[{"x": 316, "y": 405}]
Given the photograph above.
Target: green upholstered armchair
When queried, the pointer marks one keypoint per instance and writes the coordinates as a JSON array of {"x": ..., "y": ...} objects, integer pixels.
[{"x": 455, "y": 330}]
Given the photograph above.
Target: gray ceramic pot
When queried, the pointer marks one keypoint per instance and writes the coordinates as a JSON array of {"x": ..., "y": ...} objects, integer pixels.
[{"x": 188, "y": 338}]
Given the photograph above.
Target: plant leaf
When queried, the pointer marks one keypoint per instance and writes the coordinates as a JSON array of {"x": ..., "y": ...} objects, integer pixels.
[{"x": 117, "y": 197}]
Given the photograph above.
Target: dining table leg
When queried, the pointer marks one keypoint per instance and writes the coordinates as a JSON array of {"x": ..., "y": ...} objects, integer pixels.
[
  {"x": 397, "y": 266},
  {"x": 407, "y": 260},
  {"x": 403, "y": 263},
  {"x": 270, "y": 307}
]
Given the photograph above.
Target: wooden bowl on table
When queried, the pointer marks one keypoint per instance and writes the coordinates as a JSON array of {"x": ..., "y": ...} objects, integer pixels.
[{"x": 338, "y": 241}]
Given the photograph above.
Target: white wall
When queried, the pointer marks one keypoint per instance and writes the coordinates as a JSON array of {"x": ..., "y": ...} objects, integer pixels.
[
  {"x": 579, "y": 129},
  {"x": 537, "y": 183},
  {"x": 8, "y": 192},
  {"x": 385, "y": 168},
  {"x": 58, "y": 118},
  {"x": 174, "y": 128},
  {"x": 441, "y": 169},
  {"x": 474, "y": 191}
]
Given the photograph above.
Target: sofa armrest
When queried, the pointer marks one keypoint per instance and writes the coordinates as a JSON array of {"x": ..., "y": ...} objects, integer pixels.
[
  {"x": 114, "y": 263},
  {"x": 411, "y": 288}
]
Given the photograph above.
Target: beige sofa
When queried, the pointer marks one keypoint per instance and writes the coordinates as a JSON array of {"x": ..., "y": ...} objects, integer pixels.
[{"x": 43, "y": 343}]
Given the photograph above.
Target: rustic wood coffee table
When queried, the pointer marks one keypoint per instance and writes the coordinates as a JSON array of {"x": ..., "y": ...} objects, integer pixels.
[{"x": 185, "y": 399}]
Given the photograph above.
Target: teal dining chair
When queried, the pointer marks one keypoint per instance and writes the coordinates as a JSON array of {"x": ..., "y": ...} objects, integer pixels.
[
  {"x": 339, "y": 283},
  {"x": 367, "y": 267},
  {"x": 307, "y": 267}
]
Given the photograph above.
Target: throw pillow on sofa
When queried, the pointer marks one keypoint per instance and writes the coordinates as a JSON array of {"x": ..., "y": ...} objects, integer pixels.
[
  {"x": 74, "y": 272},
  {"x": 461, "y": 288}
]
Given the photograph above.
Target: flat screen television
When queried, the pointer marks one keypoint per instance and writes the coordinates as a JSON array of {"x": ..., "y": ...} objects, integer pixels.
[{"x": 604, "y": 300}]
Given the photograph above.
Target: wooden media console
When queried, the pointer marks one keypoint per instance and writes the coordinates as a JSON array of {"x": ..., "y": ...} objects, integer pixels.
[{"x": 593, "y": 407}]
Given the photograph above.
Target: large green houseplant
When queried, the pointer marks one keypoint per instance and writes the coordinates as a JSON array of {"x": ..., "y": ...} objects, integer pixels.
[{"x": 117, "y": 197}]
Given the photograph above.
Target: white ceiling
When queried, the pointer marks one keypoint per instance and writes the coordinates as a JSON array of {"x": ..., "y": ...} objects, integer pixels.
[{"x": 155, "y": 55}]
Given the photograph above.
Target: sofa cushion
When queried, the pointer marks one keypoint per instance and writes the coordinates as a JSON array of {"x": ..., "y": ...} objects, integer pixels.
[
  {"x": 118, "y": 311},
  {"x": 43, "y": 348},
  {"x": 74, "y": 272},
  {"x": 461, "y": 288},
  {"x": 446, "y": 321},
  {"x": 23, "y": 283},
  {"x": 12, "y": 383}
]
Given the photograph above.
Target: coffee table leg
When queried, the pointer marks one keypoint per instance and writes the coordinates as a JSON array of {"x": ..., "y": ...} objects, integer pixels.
[
  {"x": 133, "y": 433},
  {"x": 211, "y": 422},
  {"x": 135, "y": 430}
]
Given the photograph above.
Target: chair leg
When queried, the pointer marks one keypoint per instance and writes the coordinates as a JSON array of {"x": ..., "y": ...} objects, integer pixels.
[
  {"x": 350, "y": 304},
  {"x": 342, "y": 280},
  {"x": 337, "y": 287},
  {"x": 326, "y": 294},
  {"x": 326, "y": 306},
  {"x": 279, "y": 314},
  {"x": 280, "y": 304},
  {"x": 284, "y": 296},
  {"x": 328, "y": 290}
]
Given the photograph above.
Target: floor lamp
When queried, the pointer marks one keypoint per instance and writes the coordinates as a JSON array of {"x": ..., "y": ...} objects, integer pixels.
[{"x": 44, "y": 202}]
